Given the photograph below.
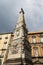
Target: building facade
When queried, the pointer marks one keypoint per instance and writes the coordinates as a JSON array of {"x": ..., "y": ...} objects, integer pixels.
[
  {"x": 5, "y": 39},
  {"x": 36, "y": 42},
  {"x": 21, "y": 47}
]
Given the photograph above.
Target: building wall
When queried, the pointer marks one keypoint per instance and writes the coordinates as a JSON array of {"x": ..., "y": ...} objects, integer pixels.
[
  {"x": 5, "y": 40},
  {"x": 35, "y": 39},
  {"x": 36, "y": 42}
]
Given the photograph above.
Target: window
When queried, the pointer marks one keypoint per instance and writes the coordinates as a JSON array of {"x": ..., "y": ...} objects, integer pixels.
[
  {"x": 4, "y": 46},
  {"x": 36, "y": 52},
  {"x": 41, "y": 39},
  {"x": 34, "y": 40},
  {"x": 0, "y": 37},
  {"x": 6, "y": 37},
  {"x": 5, "y": 42}
]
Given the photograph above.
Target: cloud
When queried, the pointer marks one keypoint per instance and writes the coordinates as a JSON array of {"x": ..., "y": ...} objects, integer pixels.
[{"x": 9, "y": 12}]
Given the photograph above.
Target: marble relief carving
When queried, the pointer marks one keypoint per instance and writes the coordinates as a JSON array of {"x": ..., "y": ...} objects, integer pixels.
[{"x": 16, "y": 47}]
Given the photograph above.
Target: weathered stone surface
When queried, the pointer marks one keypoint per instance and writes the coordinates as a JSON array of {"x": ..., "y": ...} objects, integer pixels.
[{"x": 19, "y": 50}]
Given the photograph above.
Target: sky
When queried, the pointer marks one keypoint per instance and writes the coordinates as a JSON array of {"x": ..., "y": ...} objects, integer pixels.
[{"x": 9, "y": 13}]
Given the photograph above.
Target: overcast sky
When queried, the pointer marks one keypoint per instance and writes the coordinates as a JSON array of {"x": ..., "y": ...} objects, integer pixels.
[{"x": 9, "y": 13}]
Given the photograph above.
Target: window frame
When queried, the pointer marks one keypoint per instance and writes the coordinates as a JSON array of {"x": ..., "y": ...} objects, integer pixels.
[
  {"x": 41, "y": 39},
  {"x": 0, "y": 37},
  {"x": 6, "y": 37},
  {"x": 36, "y": 52},
  {"x": 33, "y": 39}
]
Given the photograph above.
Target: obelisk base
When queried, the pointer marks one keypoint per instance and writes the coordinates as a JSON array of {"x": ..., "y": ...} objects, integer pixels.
[{"x": 18, "y": 62}]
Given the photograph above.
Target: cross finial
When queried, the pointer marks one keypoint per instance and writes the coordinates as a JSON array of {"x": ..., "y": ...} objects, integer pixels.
[{"x": 22, "y": 10}]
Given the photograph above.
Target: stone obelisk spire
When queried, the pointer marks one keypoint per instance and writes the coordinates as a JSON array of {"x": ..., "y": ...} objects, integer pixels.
[{"x": 19, "y": 50}]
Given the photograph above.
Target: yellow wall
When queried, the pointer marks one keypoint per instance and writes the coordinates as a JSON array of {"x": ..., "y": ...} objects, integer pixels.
[
  {"x": 38, "y": 43},
  {"x": 4, "y": 46}
]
